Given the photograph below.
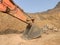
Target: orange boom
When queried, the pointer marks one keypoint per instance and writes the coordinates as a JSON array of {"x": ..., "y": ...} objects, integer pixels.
[{"x": 8, "y": 4}]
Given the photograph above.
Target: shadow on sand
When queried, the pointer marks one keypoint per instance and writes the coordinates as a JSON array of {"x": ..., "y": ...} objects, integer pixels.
[{"x": 10, "y": 31}]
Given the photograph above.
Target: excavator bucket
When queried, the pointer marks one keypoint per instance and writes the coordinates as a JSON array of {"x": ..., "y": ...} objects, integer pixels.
[{"x": 32, "y": 32}]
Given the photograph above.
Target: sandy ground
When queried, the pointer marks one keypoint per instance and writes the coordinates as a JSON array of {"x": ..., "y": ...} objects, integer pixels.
[{"x": 16, "y": 39}]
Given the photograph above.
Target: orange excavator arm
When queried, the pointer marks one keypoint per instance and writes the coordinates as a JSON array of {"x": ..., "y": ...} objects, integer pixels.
[{"x": 14, "y": 10}]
